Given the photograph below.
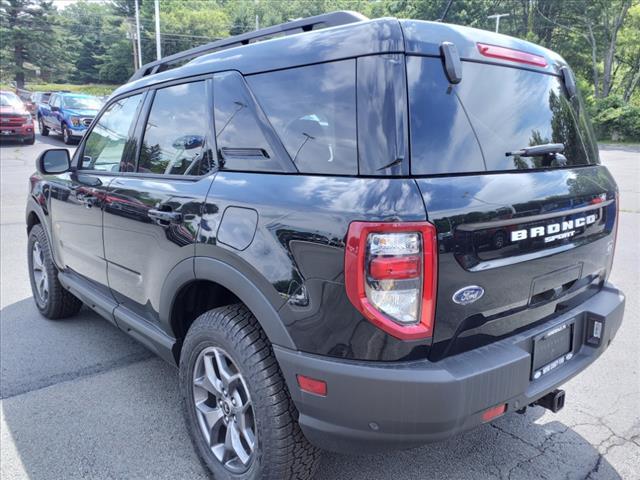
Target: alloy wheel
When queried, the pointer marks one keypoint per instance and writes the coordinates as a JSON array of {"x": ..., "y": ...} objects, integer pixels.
[
  {"x": 40, "y": 277},
  {"x": 224, "y": 409}
]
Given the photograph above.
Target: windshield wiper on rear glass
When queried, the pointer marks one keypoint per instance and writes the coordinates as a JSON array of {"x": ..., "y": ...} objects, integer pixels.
[{"x": 538, "y": 150}]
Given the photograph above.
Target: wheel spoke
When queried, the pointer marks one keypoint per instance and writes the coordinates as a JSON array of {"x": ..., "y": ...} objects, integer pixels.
[
  {"x": 226, "y": 376},
  {"x": 234, "y": 444},
  {"x": 212, "y": 418}
]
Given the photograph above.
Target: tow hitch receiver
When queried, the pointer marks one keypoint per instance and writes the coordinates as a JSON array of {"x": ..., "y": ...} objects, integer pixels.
[{"x": 553, "y": 401}]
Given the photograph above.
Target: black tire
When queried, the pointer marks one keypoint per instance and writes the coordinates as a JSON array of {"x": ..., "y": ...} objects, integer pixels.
[
  {"x": 281, "y": 450},
  {"x": 58, "y": 303},
  {"x": 29, "y": 140},
  {"x": 44, "y": 131},
  {"x": 66, "y": 135}
]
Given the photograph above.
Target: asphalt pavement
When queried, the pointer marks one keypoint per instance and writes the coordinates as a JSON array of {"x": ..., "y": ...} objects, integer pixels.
[{"x": 80, "y": 399}]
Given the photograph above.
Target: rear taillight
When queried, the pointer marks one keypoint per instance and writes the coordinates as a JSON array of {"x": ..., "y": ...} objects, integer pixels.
[
  {"x": 391, "y": 274},
  {"x": 615, "y": 236},
  {"x": 503, "y": 53}
]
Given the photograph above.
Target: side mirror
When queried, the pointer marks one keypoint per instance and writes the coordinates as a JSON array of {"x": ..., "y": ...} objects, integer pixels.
[
  {"x": 55, "y": 109},
  {"x": 53, "y": 161}
]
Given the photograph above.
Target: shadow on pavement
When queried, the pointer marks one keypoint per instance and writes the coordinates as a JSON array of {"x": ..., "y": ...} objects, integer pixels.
[{"x": 82, "y": 400}]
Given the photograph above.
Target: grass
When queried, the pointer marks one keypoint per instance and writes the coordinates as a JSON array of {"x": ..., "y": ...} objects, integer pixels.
[{"x": 89, "y": 89}]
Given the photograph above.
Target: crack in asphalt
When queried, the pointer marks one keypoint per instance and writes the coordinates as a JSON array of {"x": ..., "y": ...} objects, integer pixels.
[{"x": 89, "y": 371}]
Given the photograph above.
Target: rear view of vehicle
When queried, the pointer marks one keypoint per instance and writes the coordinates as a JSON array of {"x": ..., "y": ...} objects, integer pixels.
[
  {"x": 504, "y": 292},
  {"x": 16, "y": 122}
]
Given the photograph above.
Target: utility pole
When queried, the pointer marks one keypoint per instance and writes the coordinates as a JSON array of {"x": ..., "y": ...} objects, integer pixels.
[
  {"x": 138, "y": 35},
  {"x": 132, "y": 36},
  {"x": 498, "y": 16},
  {"x": 158, "y": 47}
]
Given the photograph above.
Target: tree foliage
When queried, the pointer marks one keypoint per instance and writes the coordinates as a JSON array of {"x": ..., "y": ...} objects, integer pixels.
[{"x": 94, "y": 41}]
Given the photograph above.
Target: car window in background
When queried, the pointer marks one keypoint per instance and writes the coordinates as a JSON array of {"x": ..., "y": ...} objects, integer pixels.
[
  {"x": 8, "y": 99},
  {"x": 174, "y": 141},
  {"x": 106, "y": 143},
  {"x": 82, "y": 103},
  {"x": 313, "y": 110}
]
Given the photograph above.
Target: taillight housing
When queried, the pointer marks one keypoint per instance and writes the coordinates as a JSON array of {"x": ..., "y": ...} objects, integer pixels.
[{"x": 391, "y": 275}]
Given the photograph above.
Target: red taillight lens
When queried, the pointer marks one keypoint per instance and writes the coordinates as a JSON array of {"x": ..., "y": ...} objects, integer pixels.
[
  {"x": 512, "y": 55},
  {"x": 390, "y": 275}
]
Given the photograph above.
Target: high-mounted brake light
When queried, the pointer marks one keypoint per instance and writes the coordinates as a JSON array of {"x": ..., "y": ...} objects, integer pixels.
[
  {"x": 512, "y": 55},
  {"x": 390, "y": 275}
]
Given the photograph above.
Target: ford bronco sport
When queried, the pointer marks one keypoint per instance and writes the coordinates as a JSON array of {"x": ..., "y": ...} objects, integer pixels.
[{"x": 370, "y": 235}]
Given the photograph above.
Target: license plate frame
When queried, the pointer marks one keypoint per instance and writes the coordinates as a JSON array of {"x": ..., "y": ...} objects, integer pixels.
[{"x": 552, "y": 348}]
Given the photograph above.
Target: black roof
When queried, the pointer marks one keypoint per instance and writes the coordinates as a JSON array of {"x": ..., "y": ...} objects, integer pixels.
[{"x": 347, "y": 40}]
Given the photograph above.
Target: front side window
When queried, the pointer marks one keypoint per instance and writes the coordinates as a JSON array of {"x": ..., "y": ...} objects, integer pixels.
[
  {"x": 174, "y": 140},
  {"x": 106, "y": 144},
  {"x": 313, "y": 110}
]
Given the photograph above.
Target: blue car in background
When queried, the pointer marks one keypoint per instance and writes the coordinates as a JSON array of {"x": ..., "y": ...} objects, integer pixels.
[{"x": 68, "y": 114}]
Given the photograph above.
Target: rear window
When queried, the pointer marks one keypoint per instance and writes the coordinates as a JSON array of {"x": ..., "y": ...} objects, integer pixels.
[{"x": 493, "y": 111}]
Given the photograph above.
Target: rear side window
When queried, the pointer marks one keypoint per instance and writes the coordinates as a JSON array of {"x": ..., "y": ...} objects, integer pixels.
[
  {"x": 313, "y": 110},
  {"x": 508, "y": 108},
  {"x": 174, "y": 141},
  {"x": 243, "y": 137}
]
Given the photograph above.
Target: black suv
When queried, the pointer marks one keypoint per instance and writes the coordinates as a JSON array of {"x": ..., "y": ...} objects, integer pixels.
[{"x": 369, "y": 235}]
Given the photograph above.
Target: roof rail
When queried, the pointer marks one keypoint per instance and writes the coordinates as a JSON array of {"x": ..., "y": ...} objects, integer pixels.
[{"x": 332, "y": 19}]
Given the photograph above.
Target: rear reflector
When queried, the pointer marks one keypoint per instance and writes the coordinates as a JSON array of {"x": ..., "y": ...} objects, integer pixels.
[
  {"x": 312, "y": 385},
  {"x": 512, "y": 55},
  {"x": 493, "y": 412}
]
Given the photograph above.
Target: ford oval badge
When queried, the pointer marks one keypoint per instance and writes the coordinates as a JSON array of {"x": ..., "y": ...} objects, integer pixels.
[{"x": 468, "y": 295}]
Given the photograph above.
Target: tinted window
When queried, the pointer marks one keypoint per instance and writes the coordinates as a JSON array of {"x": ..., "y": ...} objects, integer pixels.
[
  {"x": 244, "y": 139},
  {"x": 442, "y": 140},
  {"x": 382, "y": 115},
  {"x": 509, "y": 108},
  {"x": 105, "y": 145},
  {"x": 174, "y": 140},
  {"x": 313, "y": 110}
]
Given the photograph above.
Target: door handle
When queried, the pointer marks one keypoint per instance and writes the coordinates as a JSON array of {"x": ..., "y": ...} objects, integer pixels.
[{"x": 164, "y": 217}]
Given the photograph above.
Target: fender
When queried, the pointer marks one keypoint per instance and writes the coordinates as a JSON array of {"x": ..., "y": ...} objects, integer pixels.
[{"x": 207, "y": 268}]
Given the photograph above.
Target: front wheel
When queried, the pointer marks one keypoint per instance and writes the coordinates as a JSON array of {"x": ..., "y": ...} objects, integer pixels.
[
  {"x": 51, "y": 298},
  {"x": 66, "y": 135},
  {"x": 44, "y": 131},
  {"x": 29, "y": 140},
  {"x": 239, "y": 414}
]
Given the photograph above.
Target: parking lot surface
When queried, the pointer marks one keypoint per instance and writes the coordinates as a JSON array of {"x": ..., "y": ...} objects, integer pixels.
[{"x": 80, "y": 399}]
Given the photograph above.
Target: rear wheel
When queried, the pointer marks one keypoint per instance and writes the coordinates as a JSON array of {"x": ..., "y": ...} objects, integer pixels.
[
  {"x": 240, "y": 416},
  {"x": 52, "y": 299},
  {"x": 44, "y": 131}
]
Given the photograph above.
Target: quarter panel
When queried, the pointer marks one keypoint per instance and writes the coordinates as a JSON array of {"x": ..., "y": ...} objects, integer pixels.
[{"x": 296, "y": 257}]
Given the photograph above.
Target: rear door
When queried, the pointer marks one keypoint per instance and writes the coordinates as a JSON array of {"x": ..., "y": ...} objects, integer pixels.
[
  {"x": 535, "y": 233},
  {"x": 152, "y": 209}
]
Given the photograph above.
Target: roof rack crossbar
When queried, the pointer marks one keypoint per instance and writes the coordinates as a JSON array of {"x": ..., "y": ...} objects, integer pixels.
[{"x": 332, "y": 19}]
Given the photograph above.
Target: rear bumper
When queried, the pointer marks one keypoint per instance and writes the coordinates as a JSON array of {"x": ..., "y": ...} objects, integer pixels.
[{"x": 374, "y": 406}]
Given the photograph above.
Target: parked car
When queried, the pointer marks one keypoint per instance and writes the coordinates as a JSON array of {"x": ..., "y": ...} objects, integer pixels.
[
  {"x": 68, "y": 114},
  {"x": 15, "y": 121},
  {"x": 262, "y": 219},
  {"x": 36, "y": 99}
]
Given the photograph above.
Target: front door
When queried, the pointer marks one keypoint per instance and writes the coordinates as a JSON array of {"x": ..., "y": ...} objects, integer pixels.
[{"x": 79, "y": 196}]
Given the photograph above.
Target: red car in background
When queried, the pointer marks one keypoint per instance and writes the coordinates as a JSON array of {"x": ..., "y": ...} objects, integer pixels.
[{"x": 15, "y": 120}]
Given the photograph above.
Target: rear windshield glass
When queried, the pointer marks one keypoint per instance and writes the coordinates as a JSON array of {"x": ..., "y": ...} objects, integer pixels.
[{"x": 507, "y": 109}]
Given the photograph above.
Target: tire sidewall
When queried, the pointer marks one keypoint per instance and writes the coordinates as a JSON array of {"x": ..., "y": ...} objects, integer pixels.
[
  {"x": 37, "y": 235},
  {"x": 193, "y": 348}
]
